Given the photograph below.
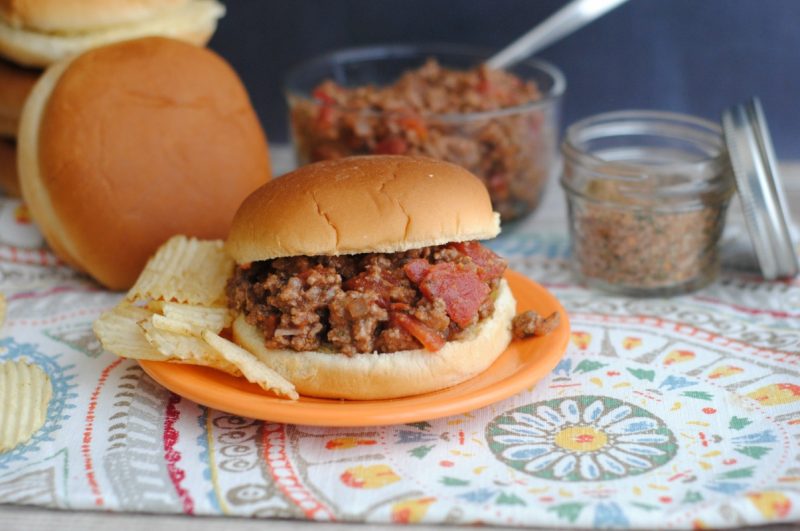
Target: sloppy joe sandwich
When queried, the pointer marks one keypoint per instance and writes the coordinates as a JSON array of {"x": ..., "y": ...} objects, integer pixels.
[
  {"x": 363, "y": 278},
  {"x": 126, "y": 145},
  {"x": 41, "y": 32}
]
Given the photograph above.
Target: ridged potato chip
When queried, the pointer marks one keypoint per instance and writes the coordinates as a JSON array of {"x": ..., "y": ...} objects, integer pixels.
[
  {"x": 119, "y": 332},
  {"x": 25, "y": 390},
  {"x": 191, "y": 319},
  {"x": 182, "y": 289},
  {"x": 185, "y": 349},
  {"x": 155, "y": 306},
  {"x": 174, "y": 325},
  {"x": 252, "y": 368},
  {"x": 185, "y": 270}
]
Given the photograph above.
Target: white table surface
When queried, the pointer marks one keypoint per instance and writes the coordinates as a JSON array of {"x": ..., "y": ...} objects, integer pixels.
[{"x": 19, "y": 518}]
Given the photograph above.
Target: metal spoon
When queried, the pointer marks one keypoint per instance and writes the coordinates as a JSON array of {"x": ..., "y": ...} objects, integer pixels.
[{"x": 569, "y": 18}]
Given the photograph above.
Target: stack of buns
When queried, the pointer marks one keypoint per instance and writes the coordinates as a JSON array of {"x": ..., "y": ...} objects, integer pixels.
[
  {"x": 37, "y": 33},
  {"x": 128, "y": 144}
]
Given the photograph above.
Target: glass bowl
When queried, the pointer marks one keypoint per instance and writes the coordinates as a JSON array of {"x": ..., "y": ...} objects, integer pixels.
[{"x": 514, "y": 150}]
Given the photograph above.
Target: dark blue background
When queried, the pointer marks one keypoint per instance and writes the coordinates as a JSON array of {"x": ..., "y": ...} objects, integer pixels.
[{"x": 693, "y": 56}]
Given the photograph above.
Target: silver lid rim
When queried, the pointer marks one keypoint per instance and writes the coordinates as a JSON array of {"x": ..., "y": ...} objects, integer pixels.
[{"x": 760, "y": 190}]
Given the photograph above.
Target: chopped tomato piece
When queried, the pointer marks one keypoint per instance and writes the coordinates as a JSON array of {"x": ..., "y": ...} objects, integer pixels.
[
  {"x": 325, "y": 117},
  {"x": 323, "y": 97},
  {"x": 364, "y": 281},
  {"x": 484, "y": 86},
  {"x": 414, "y": 124},
  {"x": 382, "y": 285},
  {"x": 490, "y": 266},
  {"x": 416, "y": 269},
  {"x": 421, "y": 332},
  {"x": 462, "y": 291},
  {"x": 391, "y": 146}
]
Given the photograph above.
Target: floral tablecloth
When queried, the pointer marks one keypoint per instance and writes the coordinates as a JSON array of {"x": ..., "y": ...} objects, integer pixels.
[{"x": 680, "y": 412}]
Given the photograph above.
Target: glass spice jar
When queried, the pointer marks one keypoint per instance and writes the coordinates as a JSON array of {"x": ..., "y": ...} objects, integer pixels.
[{"x": 647, "y": 194}]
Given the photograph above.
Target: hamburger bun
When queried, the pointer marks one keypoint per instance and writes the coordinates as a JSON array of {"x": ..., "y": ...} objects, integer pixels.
[
  {"x": 15, "y": 85},
  {"x": 9, "y": 184},
  {"x": 379, "y": 203},
  {"x": 374, "y": 376},
  {"x": 371, "y": 204},
  {"x": 41, "y": 32},
  {"x": 126, "y": 145},
  {"x": 81, "y": 15}
]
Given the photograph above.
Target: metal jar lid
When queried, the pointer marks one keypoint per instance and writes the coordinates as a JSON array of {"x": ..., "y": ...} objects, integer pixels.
[{"x": 763, "y": 201}]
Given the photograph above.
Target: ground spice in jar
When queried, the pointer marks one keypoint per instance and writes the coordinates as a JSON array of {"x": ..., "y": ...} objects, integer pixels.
[
  {"x": 647, "y": 194},
  {"x": 644, "y": 247}
]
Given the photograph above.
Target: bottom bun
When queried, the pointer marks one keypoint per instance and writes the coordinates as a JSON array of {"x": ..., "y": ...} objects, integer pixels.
[
  {"x": 8, "y": 126},
  {"x": 9, "y": 183},
  {"x": 393, "y": 375}
]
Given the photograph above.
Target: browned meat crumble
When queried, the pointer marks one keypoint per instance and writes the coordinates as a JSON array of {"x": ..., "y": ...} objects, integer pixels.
[
  {"x": 368, "y": 302},
  {"x": 530, "y": 323}
]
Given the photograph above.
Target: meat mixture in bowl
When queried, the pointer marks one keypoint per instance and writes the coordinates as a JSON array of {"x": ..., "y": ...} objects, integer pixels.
[
  {"x": 371, "y": 302},
  {"x": 440, "y": 113}
]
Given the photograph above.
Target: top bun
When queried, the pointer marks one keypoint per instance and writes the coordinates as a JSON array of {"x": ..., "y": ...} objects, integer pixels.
[
  {"x": 379, "y": 203},
  {"x": 129, "y": 144},
  {"x": 79, "y": 15}
]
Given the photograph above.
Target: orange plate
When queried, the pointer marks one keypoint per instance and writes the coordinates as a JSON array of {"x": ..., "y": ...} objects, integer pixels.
[{"x": 522, "y": 364}]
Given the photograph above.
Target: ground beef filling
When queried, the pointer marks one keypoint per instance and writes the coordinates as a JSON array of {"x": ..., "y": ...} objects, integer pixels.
[
  {"x": 369, "y": 302},
  {"x": 530, "y": 323}
]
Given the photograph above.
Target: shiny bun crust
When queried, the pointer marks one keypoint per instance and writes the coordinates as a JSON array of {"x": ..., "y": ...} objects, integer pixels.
[
  {"x": 393, "y": 375},
  {"x": 129, "y": 144},
  {"x": 81, "y": 15},
  {"x": 15, "y": 85},
  {"x": 192, "y": 21},
  {"x": 379, "y": 203}
]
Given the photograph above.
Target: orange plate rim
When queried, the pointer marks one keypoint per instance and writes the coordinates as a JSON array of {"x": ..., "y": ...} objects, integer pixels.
[{"x": 226, "y": 393}]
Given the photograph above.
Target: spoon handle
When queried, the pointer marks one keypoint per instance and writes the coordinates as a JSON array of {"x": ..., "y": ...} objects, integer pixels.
[{"x": 569, "y": 18}]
